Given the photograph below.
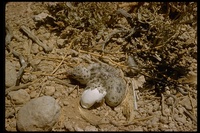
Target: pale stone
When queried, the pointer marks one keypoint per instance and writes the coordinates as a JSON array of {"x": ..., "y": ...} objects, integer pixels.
[
  {"x": 10, "y": 74},
  {"x": 39, "y": 114}
]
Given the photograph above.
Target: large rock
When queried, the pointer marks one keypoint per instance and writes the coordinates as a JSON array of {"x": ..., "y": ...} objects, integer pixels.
[
  {"x": 39, "y": 114},
  {"x": 10, "y": 74},
  {"x": 19, "y": 97}
]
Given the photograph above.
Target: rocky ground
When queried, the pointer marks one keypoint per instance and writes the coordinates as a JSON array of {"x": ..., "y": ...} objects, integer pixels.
[{"x": 153, "y": 44}]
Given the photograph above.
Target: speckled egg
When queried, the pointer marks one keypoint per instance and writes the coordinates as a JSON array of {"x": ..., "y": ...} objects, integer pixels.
[{"x": 116, "y": 90}]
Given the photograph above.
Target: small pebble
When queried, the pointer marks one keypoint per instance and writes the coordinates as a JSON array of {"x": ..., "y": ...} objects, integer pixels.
[
  {"x": 170, "y": 101},
  {"x": 49, "y": 90},
  {"x": 65, "y": 102},
  {"x": 19, "y": 96}
]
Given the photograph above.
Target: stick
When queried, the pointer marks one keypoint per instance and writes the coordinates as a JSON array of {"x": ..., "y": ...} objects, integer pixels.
[
  {"x": 21, "y": 70},
  {"x": 14, "y": 88},
  {"x": 60, "y": 81},
  {"x": 134, "y": 96},
  {"x": 59, "y": 65},
  {"x": 190, "y": 115},
  {"x": 36, "y": 39}
]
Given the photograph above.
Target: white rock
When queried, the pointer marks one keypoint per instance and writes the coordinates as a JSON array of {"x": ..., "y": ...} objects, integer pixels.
[
  {"x": 10, "y": 74},
  {"x": 39, "y": 114},
  {"x": 19, "y": 97}
]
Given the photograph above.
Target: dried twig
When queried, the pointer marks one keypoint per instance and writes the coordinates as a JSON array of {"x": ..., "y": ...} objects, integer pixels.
[
  {"x": 58, "y": 65},
  {"x": 14, "y": 88},
  {"x": 36, "y": 39},
  {"x": 134, "y": 95},
  {"x": 41, "y": 88},
  {"x": 21, "y": 70},
  {"x": 60, "y": 81},
  {"x": 190, "y": 115}
]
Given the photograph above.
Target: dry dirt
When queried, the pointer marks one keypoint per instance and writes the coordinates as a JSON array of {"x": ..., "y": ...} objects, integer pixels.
[{"x": 46, "y": 75}]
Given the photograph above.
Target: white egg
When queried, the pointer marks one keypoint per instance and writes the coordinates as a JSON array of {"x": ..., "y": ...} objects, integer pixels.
[{"x": 91, "y": 96}]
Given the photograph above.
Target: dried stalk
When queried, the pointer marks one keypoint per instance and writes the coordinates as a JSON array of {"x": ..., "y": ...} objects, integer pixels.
[
  {"x": 21, "y": 70},
  {"x": 14, "y": 88},
  {"x": 36, "y": 39}
]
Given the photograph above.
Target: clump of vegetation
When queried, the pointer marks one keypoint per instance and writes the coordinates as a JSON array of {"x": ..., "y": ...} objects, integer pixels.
[
  {"x": 168, "y": 47},
  {"x": 160, "y": 36},
  {"x": 89, "y": 16}
]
